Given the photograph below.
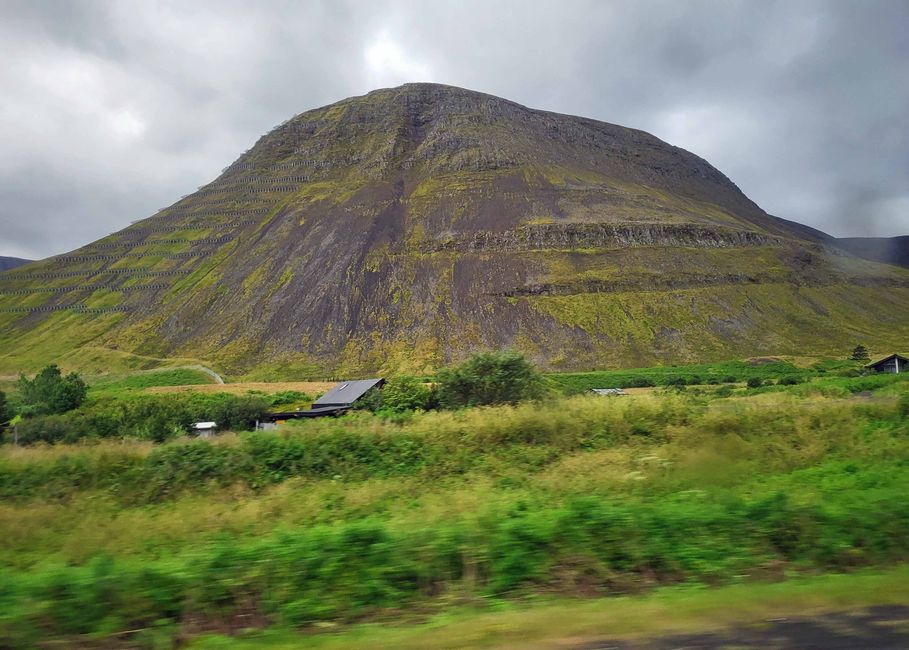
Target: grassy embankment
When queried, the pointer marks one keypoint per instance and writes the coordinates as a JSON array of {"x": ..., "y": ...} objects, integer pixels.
[{"x": 359, "y": 518}]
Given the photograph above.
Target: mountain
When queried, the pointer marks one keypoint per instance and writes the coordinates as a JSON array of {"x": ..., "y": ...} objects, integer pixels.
[
  {"x": 889, "y": 250},
  {"x": 7, "y": 263},
  {"x": 408, "y": 227}
]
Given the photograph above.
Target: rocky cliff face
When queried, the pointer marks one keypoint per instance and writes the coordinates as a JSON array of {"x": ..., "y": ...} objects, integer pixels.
[{"x": 406, "y": 228}]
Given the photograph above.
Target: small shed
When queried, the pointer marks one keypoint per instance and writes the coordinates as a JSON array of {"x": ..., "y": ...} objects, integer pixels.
[
  {"x": 338, "y": 400},
  {"x": 204, "y": 429},
  {"x": 608, "y": 391},
  {"x": 895, "y": 363}
]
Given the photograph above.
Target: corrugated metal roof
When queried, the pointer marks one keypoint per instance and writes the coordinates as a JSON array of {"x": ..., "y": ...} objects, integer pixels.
[{"x": 347, "y": 392}]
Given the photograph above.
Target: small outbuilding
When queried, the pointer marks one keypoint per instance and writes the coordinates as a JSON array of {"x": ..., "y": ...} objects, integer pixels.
[
  {"x": 339, "y": 399},
  {"x": 608, "y": 391},
  {"x": 204, "y": 429},
  {"x": 895, "y": 363},
  {"x": 347, "y": 392}
]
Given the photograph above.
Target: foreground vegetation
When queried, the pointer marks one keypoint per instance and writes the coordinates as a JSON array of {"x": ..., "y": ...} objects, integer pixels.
[
  {"x": 558, "y": 622},
  {"x": 373, "y": 516}
]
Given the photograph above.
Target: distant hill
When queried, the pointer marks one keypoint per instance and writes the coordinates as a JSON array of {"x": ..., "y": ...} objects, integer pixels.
[
  {"x": 889, "y": 250},
  {"x": 7, "y": 263},
  {"x": 406, "y": 228}
]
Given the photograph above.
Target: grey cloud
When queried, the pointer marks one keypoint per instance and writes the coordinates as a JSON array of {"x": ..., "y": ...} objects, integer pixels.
[{"x": 113, "y": 110}]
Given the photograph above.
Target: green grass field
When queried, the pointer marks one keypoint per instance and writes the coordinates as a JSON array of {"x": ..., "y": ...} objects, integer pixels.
[{"x": 467, "y": 528}]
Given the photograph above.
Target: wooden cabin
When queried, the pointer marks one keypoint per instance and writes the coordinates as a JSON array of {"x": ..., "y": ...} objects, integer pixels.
[{"x": 895, "y": 364}]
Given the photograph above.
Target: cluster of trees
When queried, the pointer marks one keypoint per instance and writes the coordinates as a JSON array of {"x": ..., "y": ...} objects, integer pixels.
[
  {"x": 50, "y": 392},
  {"x": 484, "y": 379}
]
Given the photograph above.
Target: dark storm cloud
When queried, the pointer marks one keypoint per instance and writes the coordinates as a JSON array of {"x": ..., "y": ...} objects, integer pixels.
[{"x": 113, "y": 110}]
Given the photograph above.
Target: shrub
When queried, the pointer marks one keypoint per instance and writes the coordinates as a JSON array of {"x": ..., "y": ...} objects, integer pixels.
[
  {"x": 637, "y": 382},
  {"x": 149, "y": 417},
  {"x": 284, "y": 397},
  {"x": 5, "y": 415},
  {"x": 50, "y": 392},
  {"x": 49, "y": 428},
  {"x": 402, "y": 394},
  {"x": 489, "y": 378},
  {"x": 730, "y": 379},
  {"x": 755, "y": 382},
  {"x": 239, "y": 413},
  {"x": 789, "y": 380}
]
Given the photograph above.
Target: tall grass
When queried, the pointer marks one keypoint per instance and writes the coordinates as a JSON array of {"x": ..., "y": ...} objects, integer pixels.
[{"x": 360, "y": 516}]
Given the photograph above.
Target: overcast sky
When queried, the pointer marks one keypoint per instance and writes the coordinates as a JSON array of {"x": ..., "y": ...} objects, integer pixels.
[{"x": 111, "y": 110}]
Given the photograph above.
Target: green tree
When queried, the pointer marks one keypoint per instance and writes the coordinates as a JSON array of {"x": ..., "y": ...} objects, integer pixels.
[
  {"x": 860, "y": 353},
  {"x": 49, "y": 392},
  {"x": 489, "y": 378},
  {"x": 5, "y": 415},
  {"x": 755, "y": 382}
]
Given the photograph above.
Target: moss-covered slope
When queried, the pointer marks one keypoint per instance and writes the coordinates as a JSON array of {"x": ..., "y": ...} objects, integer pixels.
[{"x": 404, "y": 228}]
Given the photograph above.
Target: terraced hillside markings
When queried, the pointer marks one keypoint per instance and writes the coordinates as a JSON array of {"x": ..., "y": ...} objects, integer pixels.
[
  {"x": 205, "y": 216},
  {"x": 82, "y": 287},
  {"x": 73, "y": 274},
  {"x": 78, "y": 308},
  {"x": 94, "y": 258},
  {"x": 192, "y": 242},
  {"x": 153, "y": 229}
]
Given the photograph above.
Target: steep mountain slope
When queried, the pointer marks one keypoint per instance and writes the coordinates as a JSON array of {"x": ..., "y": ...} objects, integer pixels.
[
  {"x": 889, "y": 250},
  {"x": 7, "y": 263},
  {"x": 404, "y": 228}
]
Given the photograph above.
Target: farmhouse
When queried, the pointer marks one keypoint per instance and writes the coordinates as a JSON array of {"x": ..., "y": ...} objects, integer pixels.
[
  {"x": 339, "y": 399},
  {"x": 895, "y": 363}
]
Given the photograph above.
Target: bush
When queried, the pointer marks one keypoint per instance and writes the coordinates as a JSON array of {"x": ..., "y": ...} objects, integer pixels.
[
  {"x": 284, "y": 397},
  {"x": 637, "y": 382},
  {"x": 5, "y": 415},
  {"x": 49, "y": 428},
  {"x": 402, "y": 394},
  {"x": 755, "y": 382},
  {"x": 489, "y": 378},
  {"x": 50, "y": 392},
  {"x": 238, "y": 413},
  {"x": 789, "y": 380},
  {"x": 149, "y": 417},
  {"x": 730, "y": 379}
]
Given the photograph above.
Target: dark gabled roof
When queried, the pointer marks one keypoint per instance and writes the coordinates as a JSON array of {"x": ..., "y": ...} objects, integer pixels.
[
  {"x": 347, "y": 392},
  {"x": 886, "y": 359},
  {"x": 309, "y": 413}
]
